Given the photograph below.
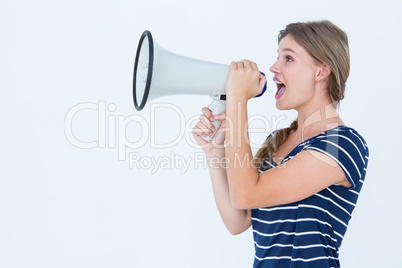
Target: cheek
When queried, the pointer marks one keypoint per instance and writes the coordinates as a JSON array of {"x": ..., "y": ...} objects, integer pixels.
[{"x": 305, "y": 83}]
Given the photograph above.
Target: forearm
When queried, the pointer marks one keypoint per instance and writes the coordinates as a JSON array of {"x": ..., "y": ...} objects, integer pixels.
[
  {"x": 241, "y": 173},
  {"x": 235, "y": 220}
]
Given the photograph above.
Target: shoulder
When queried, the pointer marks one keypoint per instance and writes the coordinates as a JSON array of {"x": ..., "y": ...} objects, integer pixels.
[
  {"x": 347, "y": 147},
  {"x": 343, "y": 137}
]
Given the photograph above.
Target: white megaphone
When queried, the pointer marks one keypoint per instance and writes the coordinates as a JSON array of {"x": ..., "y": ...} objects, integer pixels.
[{"x": 158, "y": 72}]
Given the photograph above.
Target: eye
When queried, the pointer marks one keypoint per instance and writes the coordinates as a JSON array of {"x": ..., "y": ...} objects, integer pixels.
[{"x": 289, "y": 59}]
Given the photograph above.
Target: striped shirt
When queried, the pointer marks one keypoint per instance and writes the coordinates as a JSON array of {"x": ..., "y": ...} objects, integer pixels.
[{"x": 308, "y": 233}]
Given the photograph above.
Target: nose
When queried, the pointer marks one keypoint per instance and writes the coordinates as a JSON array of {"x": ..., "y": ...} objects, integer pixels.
[{"x": 275, "y": 68}]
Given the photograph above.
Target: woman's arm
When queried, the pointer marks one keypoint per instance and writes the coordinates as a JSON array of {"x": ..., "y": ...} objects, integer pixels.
[
  {"x": 236, "y": 220},
  {"x": 302, "y": 176}
]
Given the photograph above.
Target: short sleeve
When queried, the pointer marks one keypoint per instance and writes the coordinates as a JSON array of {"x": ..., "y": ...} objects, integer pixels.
[{"x": 347, "y": 148}]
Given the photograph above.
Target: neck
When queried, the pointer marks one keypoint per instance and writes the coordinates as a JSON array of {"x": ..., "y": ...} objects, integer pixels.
[{"x": 314, "y": 121}]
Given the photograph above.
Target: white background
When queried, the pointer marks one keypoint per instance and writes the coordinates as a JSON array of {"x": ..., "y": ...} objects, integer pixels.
[{"x": 63, "y": 206}]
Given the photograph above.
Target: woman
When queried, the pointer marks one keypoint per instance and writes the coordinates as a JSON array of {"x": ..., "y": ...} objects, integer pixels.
[{"x": 299, "y": 191}]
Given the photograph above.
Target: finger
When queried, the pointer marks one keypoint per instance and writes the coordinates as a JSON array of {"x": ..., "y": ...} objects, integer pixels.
[
  {"x": 207, "y": 123},
  {"x": 220, "y": 116},
  {"x": 240, "y": 65},
  {"x": 201, "y": 130},
  {"x": 254, "y": 65},
  {"x": 199, "y": 138},
  {"x": 247, "y": 64},
  {"x": 233, "y": 65},
  {"x": 208, "y": 114},
  {"x": 197, "y": 131},
  {"x": 263, "y": 80}
]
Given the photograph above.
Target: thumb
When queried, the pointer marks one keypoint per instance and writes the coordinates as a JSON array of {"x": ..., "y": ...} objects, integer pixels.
[{"x": 263, "y": 80}]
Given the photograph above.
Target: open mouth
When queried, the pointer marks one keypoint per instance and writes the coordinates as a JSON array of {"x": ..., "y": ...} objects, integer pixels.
[{"x": 281, "y": 88}]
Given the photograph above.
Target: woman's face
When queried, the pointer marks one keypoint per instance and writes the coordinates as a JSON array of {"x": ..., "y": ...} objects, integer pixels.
[{"x": 294, "y": 73}]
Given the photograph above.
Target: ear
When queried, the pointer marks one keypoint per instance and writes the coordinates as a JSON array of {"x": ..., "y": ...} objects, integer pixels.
[{"x": 322, "y": 73}]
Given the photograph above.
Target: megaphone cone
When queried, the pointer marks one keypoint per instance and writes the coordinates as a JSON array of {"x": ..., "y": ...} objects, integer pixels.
[{"x": 159, "y": 72}]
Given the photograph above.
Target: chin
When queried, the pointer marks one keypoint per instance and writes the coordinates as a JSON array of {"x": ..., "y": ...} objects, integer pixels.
[{"x": 282, "y": 106}]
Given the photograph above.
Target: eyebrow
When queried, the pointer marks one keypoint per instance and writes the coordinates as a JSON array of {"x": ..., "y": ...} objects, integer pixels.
[{"x": 289, "y": 49}]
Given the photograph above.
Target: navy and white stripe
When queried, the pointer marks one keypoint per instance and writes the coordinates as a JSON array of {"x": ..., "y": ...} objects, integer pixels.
[{"x": 308, "y": 233}]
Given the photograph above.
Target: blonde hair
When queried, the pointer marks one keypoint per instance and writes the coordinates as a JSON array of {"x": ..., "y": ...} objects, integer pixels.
[{"x": 327, "y": 44}]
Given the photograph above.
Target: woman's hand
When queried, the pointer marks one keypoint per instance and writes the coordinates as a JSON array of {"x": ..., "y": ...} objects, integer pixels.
[
  {"x": 205, "y": 128},
  {"x": 244, "y": 81}
]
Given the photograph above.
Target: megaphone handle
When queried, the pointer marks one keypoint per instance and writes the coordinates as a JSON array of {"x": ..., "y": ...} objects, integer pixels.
[{"x": 216, "y": 107}]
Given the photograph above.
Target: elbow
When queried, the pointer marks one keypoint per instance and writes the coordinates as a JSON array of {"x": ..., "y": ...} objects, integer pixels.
[
  {"x": 238, "y": 227},
  {"x": 236, "y": 231},
  {"x": 245, "y": 195},
  {"x": 241, "y": 202}
]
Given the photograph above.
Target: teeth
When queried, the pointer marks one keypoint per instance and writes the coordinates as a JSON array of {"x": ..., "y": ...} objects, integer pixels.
[{"x": 276, "y": 81}]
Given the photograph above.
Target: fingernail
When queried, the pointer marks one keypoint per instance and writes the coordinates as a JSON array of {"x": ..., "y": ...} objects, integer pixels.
[
  {"x": 213, "y": 129},
  {"x": 204, "y": 134},
  {"x": 212, "y": 118}
]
